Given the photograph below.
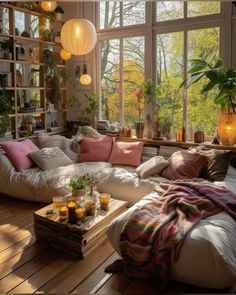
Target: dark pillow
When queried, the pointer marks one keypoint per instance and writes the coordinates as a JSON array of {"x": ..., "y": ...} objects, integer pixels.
[
  {"x": 218, "y": 162},
  {"x": 184, "y": 164}
]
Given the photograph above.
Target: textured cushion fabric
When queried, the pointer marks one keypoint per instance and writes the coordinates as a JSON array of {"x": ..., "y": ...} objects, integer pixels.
[
  {"x": 124, "y": 185},
  {"x": 152, "y": 166},
  {"x": 50, "y": 158},
  {"x": 218, "y": 163},
  {"x": 126, "y": 153},
  {"x": 95, "y": 149},
  {"x": 184, "y": 164},
  {"x": 84, "y": 131},
  {"x": 18, "y": 152},
  {"x": 65, "y": 144},
  {"x": 207, "y": 257}
]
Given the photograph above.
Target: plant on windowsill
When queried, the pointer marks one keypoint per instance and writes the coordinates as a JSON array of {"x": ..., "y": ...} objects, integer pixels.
[
  {"x": 225, "y": 81},
  {"x": 28, "y": 123},
  {"x": 6, "y": 48},
  {"x": 5, "y": 124}
]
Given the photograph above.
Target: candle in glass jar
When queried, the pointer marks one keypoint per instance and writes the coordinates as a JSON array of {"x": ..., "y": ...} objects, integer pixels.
[
  {"x": 90, "y": 208},
  {"x": 63, "y": 213},
  {"x": 80, "y": 214},
  {"x": 104, "y": 201},
  {"x": 71, "y": 212}
]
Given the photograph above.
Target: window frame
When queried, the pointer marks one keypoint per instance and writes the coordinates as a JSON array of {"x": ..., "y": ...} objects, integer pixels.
[{"x": 152, "y": 27}]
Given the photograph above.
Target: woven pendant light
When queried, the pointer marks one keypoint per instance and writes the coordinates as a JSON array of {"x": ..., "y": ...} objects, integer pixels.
[
  {"x": 78, "y": 36},
  {"x": 49, "y": 5},
  {"x": 85, "y": 79}
]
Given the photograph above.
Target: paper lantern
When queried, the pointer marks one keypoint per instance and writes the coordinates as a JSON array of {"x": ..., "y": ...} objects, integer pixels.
[
  {"x": 49, "y": 5},
  {"x": 227, "y": 128},
  {"x": 85, "y": 79},
  {"x": 65, "y": 54},
  {"x": 78, "y": 36}
]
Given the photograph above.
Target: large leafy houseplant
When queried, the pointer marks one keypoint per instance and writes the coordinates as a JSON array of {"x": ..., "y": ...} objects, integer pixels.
[{"x": 224, "y": 80}]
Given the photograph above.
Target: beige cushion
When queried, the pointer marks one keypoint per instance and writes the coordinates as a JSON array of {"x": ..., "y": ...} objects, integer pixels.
[
  {"x": 152, "y": 166},
  {"x": 46, "y": 141},
  {"x": 50, "y": 158}
]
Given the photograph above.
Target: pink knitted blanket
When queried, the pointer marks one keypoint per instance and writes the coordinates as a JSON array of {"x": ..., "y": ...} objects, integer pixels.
[{"x": 154, "y": 234}]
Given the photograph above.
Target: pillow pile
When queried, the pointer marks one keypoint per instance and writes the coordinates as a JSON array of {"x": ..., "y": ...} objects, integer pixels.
[
  {"x": 218, "y": 162},
  {"x": 17, "y": 152},
  {"x": 185, "y": 164}
]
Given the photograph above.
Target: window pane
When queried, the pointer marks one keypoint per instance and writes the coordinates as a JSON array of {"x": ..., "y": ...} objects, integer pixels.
[
  {"x": 203, "y": 8},
  {"x": 169, "y": 76},
  {"x": 110, "y": 79},
  {"x": 202, "y": 111},
  {"x": 133, "y": 13},
  {"x": 4, "y": 20},
  {"x": 169, "y": 10},
  {"x": 133, "y": 76},
  {"x": 109, "y": 14}
]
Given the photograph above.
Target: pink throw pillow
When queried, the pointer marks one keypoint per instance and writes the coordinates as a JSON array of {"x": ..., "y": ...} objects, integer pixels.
[
  {"x": 17, "y": 153},
  {"x": 95, "y": 149},
  {"x": 126, "y": 153},
  {"x": 184, "y": 164}
]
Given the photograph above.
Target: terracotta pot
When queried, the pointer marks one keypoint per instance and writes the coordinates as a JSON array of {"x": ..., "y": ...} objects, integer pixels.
[{"x": 227, "y": 128}]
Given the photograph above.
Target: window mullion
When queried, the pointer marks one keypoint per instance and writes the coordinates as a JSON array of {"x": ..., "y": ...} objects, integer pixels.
[
  {"x": 121, "y": 104},
  {"x": 185, "y": 68},
  {"x": 121, "y": 14}
]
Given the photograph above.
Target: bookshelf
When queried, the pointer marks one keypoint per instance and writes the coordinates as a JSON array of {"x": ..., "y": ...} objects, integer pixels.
[{"x": 34, "y": 93}]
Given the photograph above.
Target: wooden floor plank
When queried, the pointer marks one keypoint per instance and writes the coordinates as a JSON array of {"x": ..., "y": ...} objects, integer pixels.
[
  {"x": 45, "y": 274},
  {"x": 18, "y": 260},
  {"x": 16, "y": 237},
  {"x": 22, "y": 273},
  {"x": 95, "y": 277},
  {"x": 17, "y": 248},
  {"x": 72, "y": 277}
]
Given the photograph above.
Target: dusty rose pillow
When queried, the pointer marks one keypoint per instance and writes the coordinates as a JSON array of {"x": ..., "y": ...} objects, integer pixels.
[
  {"x": 126, "y": 153},
  {"x": 17, "y": 153},
  {"x": 95, "y": 149},
  {"x": 184, "y": 164}
]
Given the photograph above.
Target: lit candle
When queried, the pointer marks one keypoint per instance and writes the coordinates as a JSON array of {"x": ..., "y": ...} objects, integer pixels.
[
  {"x": 63, "y": 213},
  {"x": 104, "y": 201},
  {"x": 80, "y": 213},
  {"x": 71, "y": 212}
]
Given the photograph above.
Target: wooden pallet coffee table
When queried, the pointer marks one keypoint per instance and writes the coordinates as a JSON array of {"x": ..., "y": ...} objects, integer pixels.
[{"x": 77, "y": 239}]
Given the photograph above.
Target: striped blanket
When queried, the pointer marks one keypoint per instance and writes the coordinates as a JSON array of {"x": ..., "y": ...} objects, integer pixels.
[{"x": 153, "y": 235}]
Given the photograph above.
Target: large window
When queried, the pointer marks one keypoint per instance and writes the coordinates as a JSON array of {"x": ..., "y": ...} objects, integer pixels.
[
  {"x": 181, "y": 30},
  {"x": 120, "y": 77}
]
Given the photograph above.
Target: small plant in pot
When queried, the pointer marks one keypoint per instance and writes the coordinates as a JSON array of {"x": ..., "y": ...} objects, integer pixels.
[
  {"x": 225, "y": 81},
  {"x": 5, "y": 123},
  {"x": 79, "y": 184},
  {"x": 28, "y": 123},
  {"x": 59, "y": 12}
]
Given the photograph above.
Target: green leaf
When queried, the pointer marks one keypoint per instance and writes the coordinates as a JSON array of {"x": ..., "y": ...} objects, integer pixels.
[{"x": 207, "y": 87}]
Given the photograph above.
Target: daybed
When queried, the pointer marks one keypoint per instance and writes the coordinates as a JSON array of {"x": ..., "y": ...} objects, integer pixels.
[{"x": 208, "y": 255}]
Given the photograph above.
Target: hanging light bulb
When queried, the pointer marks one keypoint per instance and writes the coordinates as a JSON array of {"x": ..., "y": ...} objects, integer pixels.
[
  {"x": 85, "y": 79},
  {"x": 78, "y": 36},
  {"x": 49, "y": 5},
  {"x": 65, "y": 54}
]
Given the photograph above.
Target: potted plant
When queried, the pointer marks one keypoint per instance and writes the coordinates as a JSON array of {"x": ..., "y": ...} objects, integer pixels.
[
  {"x": 92, "y": 108},
  {"x": 79, "y": 184},
  {"x": 6, "y": 47},
  {"x": 6, "y": 102},
  {"x": 28, "y": 122},
  {"x": 225, "y": 81}
]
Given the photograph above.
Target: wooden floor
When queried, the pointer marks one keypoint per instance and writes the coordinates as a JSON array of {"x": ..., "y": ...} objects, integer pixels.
[{"x": 29, "y": 266}]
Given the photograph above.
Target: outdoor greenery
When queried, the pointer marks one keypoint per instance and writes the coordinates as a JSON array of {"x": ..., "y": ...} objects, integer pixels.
[{"x": 168, "y": 97}]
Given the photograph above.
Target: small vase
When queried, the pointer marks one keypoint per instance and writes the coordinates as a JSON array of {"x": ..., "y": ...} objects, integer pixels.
[{"x": 139, "y": 129}]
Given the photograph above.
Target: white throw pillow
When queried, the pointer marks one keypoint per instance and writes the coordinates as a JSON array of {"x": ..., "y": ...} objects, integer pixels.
[
  {"x": 152, "y": 166},
  {"x": 50, "y": 158},
  {"x": 46, "y": 141}
]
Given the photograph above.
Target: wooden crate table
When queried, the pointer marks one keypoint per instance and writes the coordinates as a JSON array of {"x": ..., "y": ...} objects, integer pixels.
[{"x": 77, "y": 239}]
